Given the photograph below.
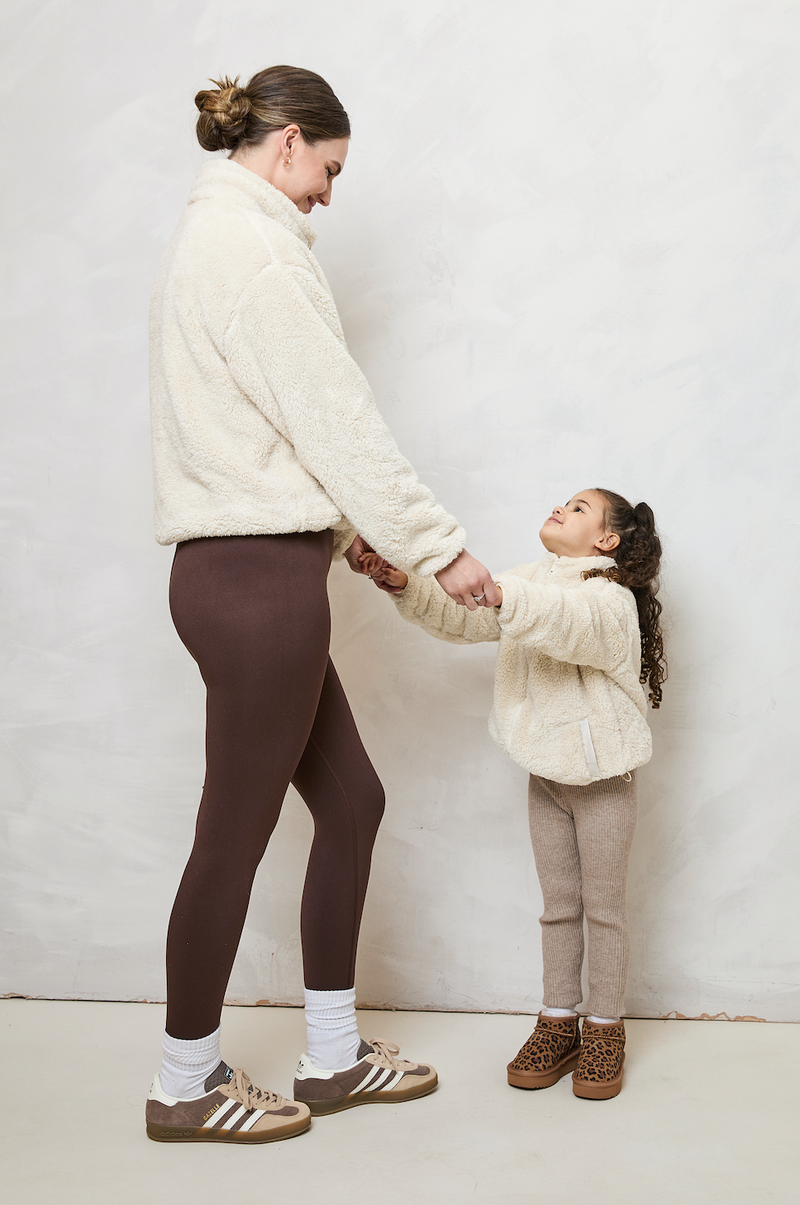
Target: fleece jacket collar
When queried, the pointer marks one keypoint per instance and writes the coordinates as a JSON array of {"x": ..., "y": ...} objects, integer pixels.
[
  {"x": 229, "y": 182},
  {"x": 567, "y": 568}
]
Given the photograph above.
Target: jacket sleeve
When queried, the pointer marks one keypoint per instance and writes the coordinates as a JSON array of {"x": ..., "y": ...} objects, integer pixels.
[
  {"x": 425, "y": 603},
  {"x": 286, "y": 351},
  {"x": 343, "y": 535},
  {"x": 589, "y": 625}
]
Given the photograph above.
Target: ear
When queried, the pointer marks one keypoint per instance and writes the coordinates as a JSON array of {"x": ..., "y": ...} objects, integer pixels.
[
  {"x": 608, "y": 543},
  {"x": 289, "y": 139}
]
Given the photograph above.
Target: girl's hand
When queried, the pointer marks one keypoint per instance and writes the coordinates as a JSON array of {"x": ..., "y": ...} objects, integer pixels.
[
  {"x": 392, "y": 580},
  {"x": 384, "y": 575}
]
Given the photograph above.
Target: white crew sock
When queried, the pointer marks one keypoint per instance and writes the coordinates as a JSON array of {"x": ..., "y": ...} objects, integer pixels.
[
  {"x": 186, "y": 1065},
  {"x": 332, "y": 1029},
  {"x": 604, "y": 1020},
  {"x": 559, "y": 1012}
]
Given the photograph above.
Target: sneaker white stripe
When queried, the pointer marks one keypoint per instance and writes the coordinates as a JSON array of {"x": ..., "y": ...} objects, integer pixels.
[
  {"x": 373, "y": 1071},
  {"x": 251, "y": 1121},
  {"x": 234, "y": 1117},
  {"x": 216, "y": 1118},
  {"x": 380, "y": 1080},
  {"x": 398, "y": 1075},
  {"x": 231, "y": 1117}
]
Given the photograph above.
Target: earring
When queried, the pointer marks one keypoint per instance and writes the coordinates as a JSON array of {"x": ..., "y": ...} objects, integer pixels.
[{"x": 287, "y": 162}]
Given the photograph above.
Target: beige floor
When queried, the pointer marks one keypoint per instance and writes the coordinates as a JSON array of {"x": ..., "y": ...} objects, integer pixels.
[{"x": 709, "y": 1113}]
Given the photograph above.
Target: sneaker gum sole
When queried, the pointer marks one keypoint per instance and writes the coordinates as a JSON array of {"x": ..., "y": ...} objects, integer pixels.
[
  {"x": 592, "y": 1090},
  {"x": 199, "y": 1134},
  {"x": 320, "y": 1108},
  {"x": 543, "y": 1079}
]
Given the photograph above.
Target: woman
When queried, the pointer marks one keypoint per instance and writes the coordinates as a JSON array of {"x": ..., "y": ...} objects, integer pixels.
[{"x": 270, "y": 456}]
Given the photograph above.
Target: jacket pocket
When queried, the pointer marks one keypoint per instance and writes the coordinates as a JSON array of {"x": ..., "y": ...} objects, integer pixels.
[{"x": 588, "y": 749}]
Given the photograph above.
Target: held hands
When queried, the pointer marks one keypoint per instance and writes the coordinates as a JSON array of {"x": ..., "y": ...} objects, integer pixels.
[
  {"x": 384, "y": 575},
  {"x": 465, "y": 579},
  {"x": 356, "y": 553},
  {"x": 469, "y": 583},
  {"x": 363, "y": 559}
]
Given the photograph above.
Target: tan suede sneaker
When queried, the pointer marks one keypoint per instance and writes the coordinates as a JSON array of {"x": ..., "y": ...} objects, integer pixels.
[
  {"x": 598, "y": 1075},
  {"x": 232, "y": 1110},
  {"x": 551, "y": 1051},
  {"x": 378, "y": 1077}
]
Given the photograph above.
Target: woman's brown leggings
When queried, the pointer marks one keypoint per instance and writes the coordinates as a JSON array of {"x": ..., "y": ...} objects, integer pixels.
[{"x": 253, "y": 612}]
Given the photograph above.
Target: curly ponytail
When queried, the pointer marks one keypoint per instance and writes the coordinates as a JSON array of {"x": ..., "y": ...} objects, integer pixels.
[{"x": 638, "y": 559}]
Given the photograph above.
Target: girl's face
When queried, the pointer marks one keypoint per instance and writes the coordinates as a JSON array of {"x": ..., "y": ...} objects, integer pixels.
[{"x": 579, "y": 528}]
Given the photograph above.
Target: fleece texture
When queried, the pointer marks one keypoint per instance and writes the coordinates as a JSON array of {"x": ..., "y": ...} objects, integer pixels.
[
  {"x": 262, "y": 422},
  {"x": 568, "y": 704}
]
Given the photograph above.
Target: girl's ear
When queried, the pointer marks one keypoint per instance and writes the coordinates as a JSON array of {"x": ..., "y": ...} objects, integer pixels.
[{"x": 608, "y": 543}]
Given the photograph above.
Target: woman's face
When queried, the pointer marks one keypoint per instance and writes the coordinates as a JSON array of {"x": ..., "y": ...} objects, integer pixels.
[
  {"x": 304, "y": 173},
  {"x": 308, "y": 177},
  {"x": 579, "y": 528}
]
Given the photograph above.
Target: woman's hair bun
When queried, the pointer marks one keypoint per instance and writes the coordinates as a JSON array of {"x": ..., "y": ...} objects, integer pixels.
[
  {"x": 223, "y": 115},
  {"x": 232, "y": 118}
]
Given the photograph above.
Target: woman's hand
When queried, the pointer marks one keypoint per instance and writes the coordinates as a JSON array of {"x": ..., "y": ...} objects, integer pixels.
[
  {"x": 356, "y": 554},
  {"x": 468, "y": 582}
]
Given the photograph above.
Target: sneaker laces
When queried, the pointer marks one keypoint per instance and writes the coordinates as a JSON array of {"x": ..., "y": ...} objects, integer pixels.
[
  {"x": 387, "y": 1054},
  {"x": 246, "y": 1092}
]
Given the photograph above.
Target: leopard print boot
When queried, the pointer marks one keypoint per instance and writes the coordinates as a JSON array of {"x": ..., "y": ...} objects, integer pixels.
[
  {"x": 551, "y": 1051},
  {"x": 598, "y": 1075}
]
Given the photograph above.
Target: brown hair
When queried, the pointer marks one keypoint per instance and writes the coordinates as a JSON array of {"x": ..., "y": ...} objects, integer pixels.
[
  {"x": 638, "y": 559},
  {"x": 232, "y": 117}
]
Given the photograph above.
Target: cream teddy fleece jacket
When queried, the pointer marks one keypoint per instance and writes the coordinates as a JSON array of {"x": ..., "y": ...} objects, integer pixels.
[
  {"x": 568, "y": 704},
  {"x": 262, "y": 422}
]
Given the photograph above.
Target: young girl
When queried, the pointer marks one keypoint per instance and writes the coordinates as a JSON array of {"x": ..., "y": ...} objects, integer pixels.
[{"x": 579, "y": 635}]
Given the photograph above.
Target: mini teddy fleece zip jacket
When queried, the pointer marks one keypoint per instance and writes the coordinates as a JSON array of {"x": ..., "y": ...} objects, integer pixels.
[
  {"x": 568, "y": 704},
  {"x": 262, "y": 422}
]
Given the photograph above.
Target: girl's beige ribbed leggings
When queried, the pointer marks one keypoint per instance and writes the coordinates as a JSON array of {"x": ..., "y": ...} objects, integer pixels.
[{"x": 582, "y": 840}]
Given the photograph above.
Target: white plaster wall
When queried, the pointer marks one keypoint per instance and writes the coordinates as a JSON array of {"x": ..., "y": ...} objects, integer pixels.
[{"x": 564, "y": 252}]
